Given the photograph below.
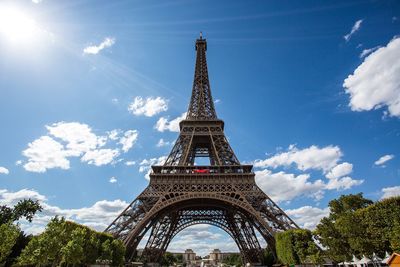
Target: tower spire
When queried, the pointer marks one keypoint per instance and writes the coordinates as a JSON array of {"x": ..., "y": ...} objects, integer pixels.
[{"x": 201, "y": 105}]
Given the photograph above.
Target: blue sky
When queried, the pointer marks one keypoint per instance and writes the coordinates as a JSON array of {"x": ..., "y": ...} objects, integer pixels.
[{"x": 309, "y": 92}]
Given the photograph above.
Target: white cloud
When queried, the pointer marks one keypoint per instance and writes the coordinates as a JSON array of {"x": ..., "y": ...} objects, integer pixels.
[
  {"x": 148, "y": 107},
  {"x": 113, "y": 180},
  {"x": 128, "y": 140},
  {"x": 79, "y": 137},
  {"x": 307, "y": 216},
  {"x": 342, "y": 183},
  {"x": 340, "y": 170},
  {"x": 382, "y": 160},
  {"x": 100, "y": 157},
  {"x": 114, "y": 134},
  {"x": 11, "y": 198},
  {"x": 390, "y": 192},
  {"x": 163, "y": 124},
  {"x": 4, "y": 170},
  {"x": 130, "y": 163},
  {"x": 202, "y": 240},
  {"x": 97, "y": 216},
  {"x": 366, "y": 52},
  {"x": 376, "y": 82},
  {"x": 74, "y": 139},
  {"x": 354, "y": 29},
  {"x": 312, "y": 157},
  {"x": 95, "y": 49},
  {"x": 283, "y": 186},
  {"x": 162, "y": 143},
  {"x": 45, "y": 153},
  {"x": 36, "y": 1},
  {"x": 145, "y": 165}
]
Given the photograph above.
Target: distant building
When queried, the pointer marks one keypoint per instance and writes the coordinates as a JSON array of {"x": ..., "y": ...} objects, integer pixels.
[
  {"x": 189, "y": 256},
  {"x": 216, "y": 257}
]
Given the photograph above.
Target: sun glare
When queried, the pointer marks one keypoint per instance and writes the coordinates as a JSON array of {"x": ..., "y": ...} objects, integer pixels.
[{"x": 16, "y": 26}]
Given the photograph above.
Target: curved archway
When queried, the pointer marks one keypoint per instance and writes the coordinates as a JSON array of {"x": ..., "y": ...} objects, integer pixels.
[{"x": 241, "y": 224}]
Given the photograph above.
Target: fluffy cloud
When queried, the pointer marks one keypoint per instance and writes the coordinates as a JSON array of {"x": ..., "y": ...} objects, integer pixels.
[
  {"x": 283, "y": 186},
  {"x": 340, "y": 170},
  {"x": 95, "y": 49},
  {"x": 145, "y": 165},
  {"x": 342, "y": 183},
  {"x": 390, "y": 192},
  {"x": 4, "y": 170},
  {"x": 354, "y": 29},
  {"x": 128, "y": 140},
  {"x": 366, "y": 52},
  {"x": 307, "y": 216},
  {"x": 162, "y": 143},
  {"x": 382, "y": 160},
  {"x": 78, "y": 136},
  {"x": 164, "y": 125},
  {"x": 100, "y": 157},
  {"x": 97, "y": 216},
  {"x": 74, "y": 139},
  {"x": 376, "y": 82},
  {"x": 312, "y": 157},
  {"x": 148, "y": 107},
  {"x": 202, "y": 240},
  {"x": 113, "y": 180},
  {"x": 45, "y": 153}
]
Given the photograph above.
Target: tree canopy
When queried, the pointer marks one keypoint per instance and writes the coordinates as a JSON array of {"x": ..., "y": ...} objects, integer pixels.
[
  {"x": 24, "y": 208},
  {"x": 357, "y": 226},
  {"x": 297, "y": 246},
  {"x": 65, "y": 242}
]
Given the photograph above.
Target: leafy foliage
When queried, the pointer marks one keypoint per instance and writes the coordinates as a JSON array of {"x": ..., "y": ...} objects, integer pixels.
[
  {"x": 65, "y": 242},
  {"x": 297, "y": 246},
  {"x": 8, "y": 237},
  {"x": 12, "y": 239},
  {"x": 233, "y": 260},
  {"x": 168, "y": 259},
  {"x": 357, "y": 226},
  {"x": 268, "y": 258},
  {"x": 24, "y": 208}
]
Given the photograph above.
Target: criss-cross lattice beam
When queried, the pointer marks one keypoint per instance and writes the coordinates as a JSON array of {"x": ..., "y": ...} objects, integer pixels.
[{"x": 201, "y": 103}]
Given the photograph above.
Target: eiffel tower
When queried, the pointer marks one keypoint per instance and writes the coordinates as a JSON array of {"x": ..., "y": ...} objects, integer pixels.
[{"x": 181, "y": 194}]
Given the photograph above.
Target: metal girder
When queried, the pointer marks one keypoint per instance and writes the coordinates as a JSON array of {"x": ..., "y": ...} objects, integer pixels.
[{"x": 181, "y": 194}]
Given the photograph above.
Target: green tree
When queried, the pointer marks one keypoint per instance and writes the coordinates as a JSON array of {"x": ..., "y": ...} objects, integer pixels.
[
  {"x": 333, "y": 231},
  {"x": 8, "y": 236},
  {"x": 357, "y": 226},
  {"x": 24, "y": 208},
  {"x": 118, "y": 252},
  {"x": 233, "y": 260},
  {"x": 69, "y": 243},
  {"x": 167, "y": 259},
  {"x": 106, "y": 250},
  {"x": 21, "y": 242},
  {"x": 297, "y": 246},
  {"x": 268, "y": 258},
  {"x": 73, "y": 251},
  {"x": 395, "y": 237}
]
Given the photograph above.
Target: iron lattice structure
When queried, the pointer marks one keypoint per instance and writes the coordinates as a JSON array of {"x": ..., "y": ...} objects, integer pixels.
[{"x": 181, "y": 194}]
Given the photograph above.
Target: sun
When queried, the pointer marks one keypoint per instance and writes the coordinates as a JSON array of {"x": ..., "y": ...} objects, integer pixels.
[{"x": 16, "y": 26}]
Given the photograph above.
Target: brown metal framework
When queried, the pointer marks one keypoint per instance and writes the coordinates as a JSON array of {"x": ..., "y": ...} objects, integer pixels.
[{"x": 182, "y": 194}]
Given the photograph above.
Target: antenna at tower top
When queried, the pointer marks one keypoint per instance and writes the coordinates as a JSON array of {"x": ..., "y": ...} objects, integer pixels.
[{"x": 201, "y": 35}]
